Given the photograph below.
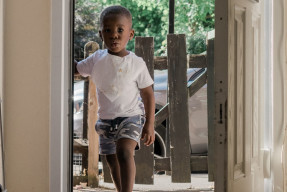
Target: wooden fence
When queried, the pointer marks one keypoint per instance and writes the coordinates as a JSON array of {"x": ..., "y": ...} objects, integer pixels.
[{"x": 180, "y": 162}]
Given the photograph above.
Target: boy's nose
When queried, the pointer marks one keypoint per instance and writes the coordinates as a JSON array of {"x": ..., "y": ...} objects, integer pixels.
[{"x": 114, "y": 35}]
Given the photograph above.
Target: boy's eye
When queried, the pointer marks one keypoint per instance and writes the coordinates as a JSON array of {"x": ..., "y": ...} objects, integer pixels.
[
  {"x": 107, "y": 30},
  {"x": 120, "y": 30}
]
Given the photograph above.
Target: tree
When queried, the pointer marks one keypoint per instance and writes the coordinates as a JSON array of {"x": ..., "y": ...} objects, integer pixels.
[
  {"x": 86, "y": 25},
  {"x": 194, "y": 18},
  {"x": 150, "y": 18}
]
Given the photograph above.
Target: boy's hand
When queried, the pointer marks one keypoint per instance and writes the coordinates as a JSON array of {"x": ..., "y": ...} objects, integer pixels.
[
  {"x": 148, "y": 130},
  {"x": 148, "y": 134},
  {"x": 75, "y": 67}
]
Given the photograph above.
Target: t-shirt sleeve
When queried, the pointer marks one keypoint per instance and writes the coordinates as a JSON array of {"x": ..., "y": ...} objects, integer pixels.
[
  {"x": 144, "y": 79},
  {"x": 85, "y": 67}
]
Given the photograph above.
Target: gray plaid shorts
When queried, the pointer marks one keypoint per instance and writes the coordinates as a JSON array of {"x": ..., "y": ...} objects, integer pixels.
[{"x": 110, "y": 130}]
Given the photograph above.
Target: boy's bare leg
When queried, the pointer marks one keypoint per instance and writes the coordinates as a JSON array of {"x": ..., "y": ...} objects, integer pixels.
[
  {"x": 115, "y": 170},
  {"x": 125, "y": 155}
]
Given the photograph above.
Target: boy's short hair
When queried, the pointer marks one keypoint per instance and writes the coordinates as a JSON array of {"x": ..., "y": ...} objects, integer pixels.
[{"x": 115, "y": 10}]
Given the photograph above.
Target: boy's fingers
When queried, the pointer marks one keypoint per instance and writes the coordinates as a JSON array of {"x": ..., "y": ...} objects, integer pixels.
[
  {"x": 149, "y": 140},
  {"x": 143, "y": 136}
]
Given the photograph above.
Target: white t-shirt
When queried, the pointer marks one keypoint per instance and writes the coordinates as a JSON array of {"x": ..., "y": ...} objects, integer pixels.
[{"x": 118, "y": 80}]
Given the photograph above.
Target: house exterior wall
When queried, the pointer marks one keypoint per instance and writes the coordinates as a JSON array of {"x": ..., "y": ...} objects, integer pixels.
[{"x": 26, "y": 88}]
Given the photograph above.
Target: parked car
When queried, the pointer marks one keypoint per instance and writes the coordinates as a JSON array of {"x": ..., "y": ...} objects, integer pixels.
[
  {"x": 78, "y": 109},
  {"x": 197, "y": 105}
]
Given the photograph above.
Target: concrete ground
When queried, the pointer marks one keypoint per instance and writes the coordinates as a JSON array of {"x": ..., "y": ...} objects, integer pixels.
[{"x": 162, "y": 183}]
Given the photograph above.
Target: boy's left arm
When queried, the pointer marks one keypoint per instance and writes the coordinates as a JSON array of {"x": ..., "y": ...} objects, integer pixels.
[{"x": 148, "y": 134}]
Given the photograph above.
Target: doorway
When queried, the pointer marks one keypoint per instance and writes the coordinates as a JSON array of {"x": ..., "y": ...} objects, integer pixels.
[{"x": 196, "y": 45}]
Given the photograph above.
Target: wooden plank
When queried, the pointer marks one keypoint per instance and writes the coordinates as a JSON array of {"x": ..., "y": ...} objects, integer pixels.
[
  {"x": 85, "y": 109},
  {"x": 161, "y": 115},
  {"x": 144, "y": 158},
  {"x": 210, "y": 104},
  {"x": 197, "y": 84},
  {"x": 93, "y": 149},
  {"x": 193, "y": 61},
  {"x": 197, "y": 164},
  {"x": 93, "y": 157},
  {"x": 178, "y": 109},
  {"x": 79, "y": 179},
  {"x": 162, "y": 164},
  {"x": 221, "y": 68},
  {"x": 160, "y": 62},
  {"x": 197, "y": 61},
  {"x": 106, "y": 171}
]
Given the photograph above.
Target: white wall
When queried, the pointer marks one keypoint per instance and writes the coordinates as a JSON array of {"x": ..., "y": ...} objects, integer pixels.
[{"x": 27, "y": 94}]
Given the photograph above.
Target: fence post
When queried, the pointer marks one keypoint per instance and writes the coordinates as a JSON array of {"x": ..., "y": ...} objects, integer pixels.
[
  {"x": 93, "y": 151},
  {"x": 144, "y": 157},
  {"x": 210, "y": 104},
  {"x": 178, "y": 109}
]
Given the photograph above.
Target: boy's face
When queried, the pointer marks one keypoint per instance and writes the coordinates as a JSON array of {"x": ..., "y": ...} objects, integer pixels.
[{"x": 116, "y": 32}]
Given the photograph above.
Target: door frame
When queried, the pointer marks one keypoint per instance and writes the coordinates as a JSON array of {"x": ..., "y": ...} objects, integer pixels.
[
  {"x": 60, "y": 105},
  {"x": 1, "y": 78},
  {"x": 60, "y": 144},
  {"x": 279, "y": 94},
  {"x": 220, "y": 95}
]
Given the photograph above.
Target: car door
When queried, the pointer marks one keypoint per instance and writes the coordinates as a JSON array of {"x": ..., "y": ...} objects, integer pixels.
[{"x": 238, "y": 134}]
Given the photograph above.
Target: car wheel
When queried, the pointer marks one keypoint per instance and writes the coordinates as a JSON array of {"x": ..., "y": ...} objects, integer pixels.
[{"x": 159, "y": 143}]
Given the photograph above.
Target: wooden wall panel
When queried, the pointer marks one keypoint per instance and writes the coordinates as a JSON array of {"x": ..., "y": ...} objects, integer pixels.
[
  {"x": 144, "y": 157},
  {"x": 178, "y": 109}
]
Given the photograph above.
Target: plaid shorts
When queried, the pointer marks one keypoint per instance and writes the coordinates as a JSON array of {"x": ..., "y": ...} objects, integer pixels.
[{"x": 110, "y": 130}]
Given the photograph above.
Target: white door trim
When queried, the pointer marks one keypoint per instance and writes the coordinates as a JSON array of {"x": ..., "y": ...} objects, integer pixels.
[
  {"x": 266, "y": 79},
  {"x": 279, "y": 96},
  {"x": 59, "y": 98}
]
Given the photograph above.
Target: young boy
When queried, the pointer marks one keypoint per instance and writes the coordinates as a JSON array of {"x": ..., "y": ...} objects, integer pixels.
[{"x": 125, "y": 96}]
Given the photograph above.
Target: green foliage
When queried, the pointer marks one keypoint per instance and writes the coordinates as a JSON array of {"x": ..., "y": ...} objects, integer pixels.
[
  {"x": 150, "y": 18},
  {"x": 194, "y": 18},
  {"x": 85, "y": 25}
]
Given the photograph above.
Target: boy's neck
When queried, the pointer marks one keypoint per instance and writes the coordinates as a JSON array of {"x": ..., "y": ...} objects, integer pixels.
[{"x": 119, "y": 54}]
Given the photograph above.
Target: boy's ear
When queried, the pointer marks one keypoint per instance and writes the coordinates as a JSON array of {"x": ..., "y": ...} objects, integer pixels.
[{"x": 132, "y": 33}]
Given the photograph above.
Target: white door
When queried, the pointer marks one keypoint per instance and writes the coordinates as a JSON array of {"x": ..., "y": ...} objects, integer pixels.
[{"x": 238, "y": 107}]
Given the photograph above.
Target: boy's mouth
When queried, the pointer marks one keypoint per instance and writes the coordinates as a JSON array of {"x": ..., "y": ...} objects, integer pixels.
[{"x": 114, "y": 44}]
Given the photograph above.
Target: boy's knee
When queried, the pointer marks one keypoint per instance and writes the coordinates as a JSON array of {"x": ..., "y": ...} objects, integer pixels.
[
  {"x": 125, "y": 149},
  {"x": 124, "y": 154}
]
